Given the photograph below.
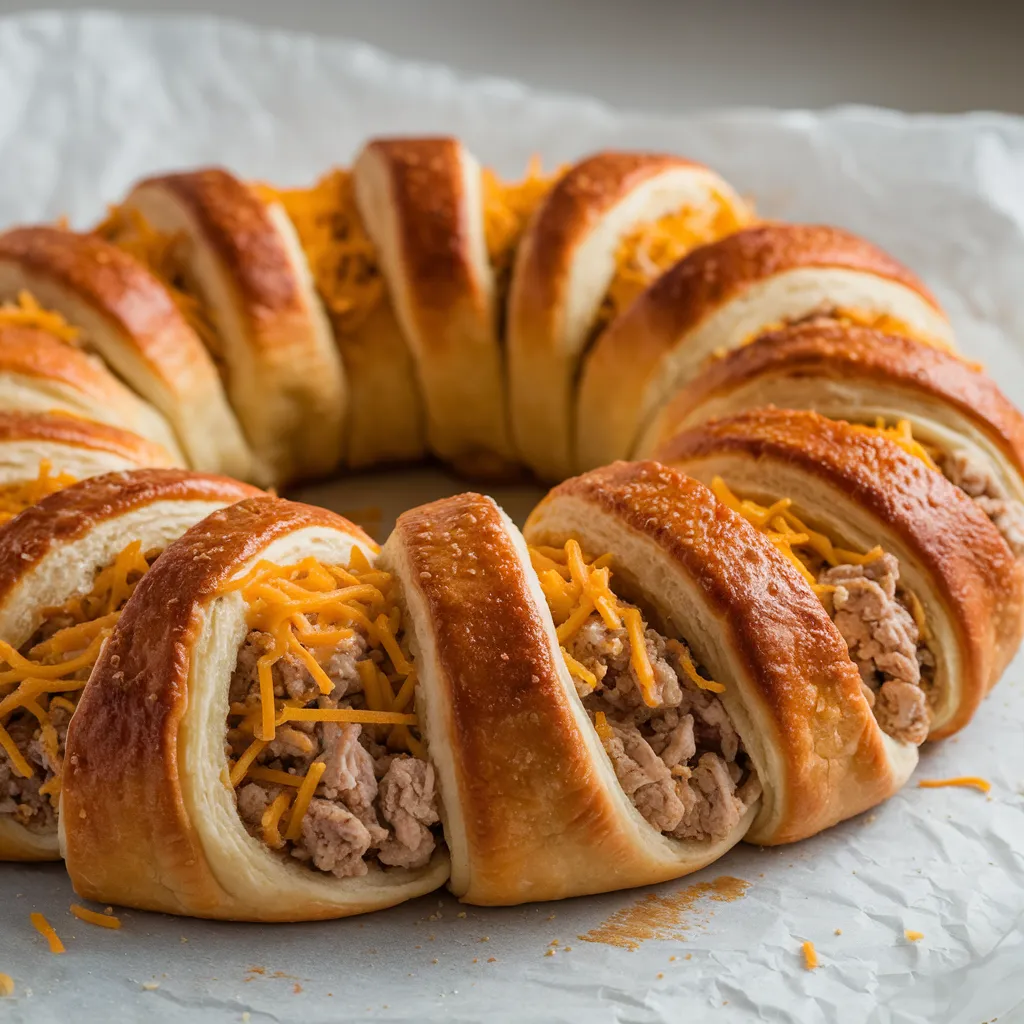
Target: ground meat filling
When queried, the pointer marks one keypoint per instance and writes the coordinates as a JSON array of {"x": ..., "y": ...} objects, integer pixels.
[
  {"x": 977, "y": 482},
  {"x": 34, "y": 713},
  {"x": 885, "y": 642},
  {"x": 681, "y": 761},
  {"x": 372, "y": 807}
]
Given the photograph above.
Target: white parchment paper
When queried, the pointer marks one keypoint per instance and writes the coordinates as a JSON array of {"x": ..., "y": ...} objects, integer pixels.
[{"x": 91, "y": 102}]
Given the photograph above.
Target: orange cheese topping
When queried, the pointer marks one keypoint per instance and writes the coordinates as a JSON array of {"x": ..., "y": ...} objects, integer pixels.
[
  {"x": 15, "y": 498},
  {"x": 575, "y": 586},
  {"x": 341, "y": 256},
  {"x": 45, "y": 929},
  {"x": 508, "y": 207},
  {"x": 60, "y": 665},
  {"x": 651, "y": 248},
  {"x": 797, "y": 542},
  {"x": 161, "y": 254},
  {"x": 27, "y": 312},
  {"x": 886, "y": 323},
  {"x": 903, "y": 435},
  {"x": 310, "y": 605}
]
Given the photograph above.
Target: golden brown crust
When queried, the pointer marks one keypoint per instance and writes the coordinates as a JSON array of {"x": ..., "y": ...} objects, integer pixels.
[
  {"x": 829, "y": 349},
  {"x": 35, "y": 352},
  {"x": 123, "y": 743},
  {"x": 234, "y": 222},
  {"x": 116, "y": 286},
  {"x": 70, "y": 514},
  {"x": 569, "y": 211},
  {"x": 955, "y": 545},
  {"x": 710, "y": 275},
  {"x": 801, "y": 693},
  {"x": 428, "y": 187},
  {"x": 73, "y": 431}
]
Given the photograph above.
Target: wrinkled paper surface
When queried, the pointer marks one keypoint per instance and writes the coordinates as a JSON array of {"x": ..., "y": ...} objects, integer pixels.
[{"x": 92, "y": 102}]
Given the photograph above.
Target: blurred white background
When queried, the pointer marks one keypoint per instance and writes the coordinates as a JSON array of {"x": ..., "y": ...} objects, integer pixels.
[{"x": 919, "y": 55}]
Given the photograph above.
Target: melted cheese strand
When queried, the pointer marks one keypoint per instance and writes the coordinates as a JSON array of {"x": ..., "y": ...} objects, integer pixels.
[
  {"x": 270, "y": 821},
  {"x": 969, "y": 781},
  {"x": 242, "y": 765},
  {"x": 638, "y": 657}
]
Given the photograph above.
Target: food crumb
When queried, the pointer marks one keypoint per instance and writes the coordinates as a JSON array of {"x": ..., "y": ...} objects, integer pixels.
[
  {"x": 246, "y": 1017},
  {"x": 549, "y": 952},
  {"x": 492, "y": 959},
  {"x": 296, "y": 989},
  {"x": 476, "y": 959},
  {"x": 485, "y": 938},
  {"x": 810, "y": 955},
  {"x": 551, "y": 917},
  {"x": 183, "y": 940},
  {"x": 567, "y": 949},
  {"x": 689, "y": 956},
  {"x": 151, "y": 986},
  {"x": 554, "y": 942},
  {"x": 839, "y": 931},
  {"x": 661, "y": 974},
  {"x": 6, "y": 985},
  {"x": 461, "y": 913},
  {"x": 912, "y": 936},
  {"x": 434, "y": 961}
]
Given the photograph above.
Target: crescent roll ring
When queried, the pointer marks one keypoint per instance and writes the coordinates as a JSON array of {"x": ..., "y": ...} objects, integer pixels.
[
  {"x": 44, "y": 452},
  {"x": 918, "y": 579},
  {"x": 131, "y": 320},
  {"x": 612, "y": 224},
  {"x": 238, "y": 263},
  {"x": 266, "y": 724},
  {"x": 726, "y": 294},
  {"x": 746, "y": 677},
  {"x": 923, "y": 396},
  {"x": 67, "y": 566}
]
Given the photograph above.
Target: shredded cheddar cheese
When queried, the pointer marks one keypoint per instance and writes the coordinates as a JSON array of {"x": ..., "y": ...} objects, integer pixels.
[
  {"x": 304, "y": 608},
  {"x": 912, "y": 936},
  {"x": 53, "y": 671},
  {"x": 6, "y": 985},
  {"x": 810, "y": 956},
  {"x": 575, "y": 587},
  {"x": 604, "y": 730},
  {"x": 969, "y": 781},
  {"x": 508, "y": 207},
  {"x": 790, "y": 535},
  {"x": 161, "y": 254},
  {"x": 901, "y": 434},
  {"x": 653, "y": 247},
  {"x": 27, "y": 312},
  {"x": 15, "y": 498},
  {"x": 45, "y": 929},
  {"x": 92, "y": 917},
  {"x": 341, "y": 255}
]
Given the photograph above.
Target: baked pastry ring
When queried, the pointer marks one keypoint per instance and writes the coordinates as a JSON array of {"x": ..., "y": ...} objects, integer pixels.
[
  {"x": 66, "y": 566},
  {"x": 790, "y": 688},
  {"x": 532, "y": 808},
  {"x": 724, "y": 295},
  {"x": 423, "y": 205},
  {"x": 44, "y": 452},
  {"x": 125, "y": 315},
  {"x": 239, "y": 257},
  {"x": 861, "y": 489},
  {"x": 967, "y": 426},
  {"x": 40, "y": 373},
  {"x": 385, "y": 419},
  {"x": 150, "y": 732},
  {"x": 579, "y": 265}
]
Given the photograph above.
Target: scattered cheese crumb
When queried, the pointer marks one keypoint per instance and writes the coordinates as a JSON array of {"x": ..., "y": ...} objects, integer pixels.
[
  {"x": 151, "y": 986},
  {"x": 549, "y": 952},
  {"x": 485, "y": 938},
  {"x": 839, "y": 931},
  {"x": 810, "y": 956},
  {"x": 554, "y": 942},
  {"x": 567, "y": 949},
  {"x": 492, "y": 959},
  {"x": 672, "y": 959},
  {"x": 6, "y": 985},
  {"x": 434, "y": 961},
  {"x": 962, "y": 780},
  {"x": 106, "y": 920},
  {"x": 296, "y": 988},
  {"x": 45, "y": 929},
  {"x": 476, "y": 959},
  {"x": 912, "y": 936}
]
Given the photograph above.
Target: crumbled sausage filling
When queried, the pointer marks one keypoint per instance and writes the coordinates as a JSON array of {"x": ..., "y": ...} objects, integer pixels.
[
  {"x": 372, "y": 804},
  {"x": 680, "y": 761},
  {"x": 977, "y": 482}
]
